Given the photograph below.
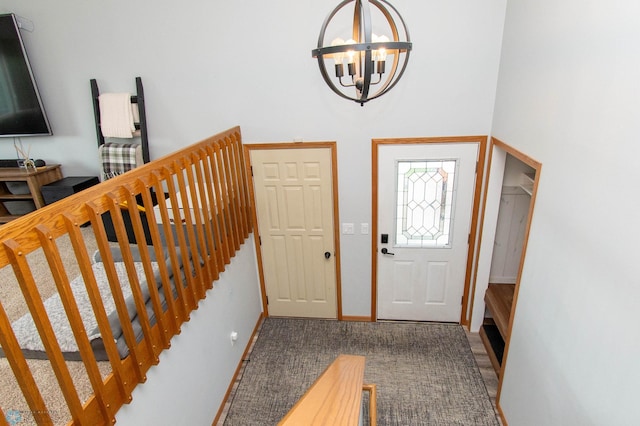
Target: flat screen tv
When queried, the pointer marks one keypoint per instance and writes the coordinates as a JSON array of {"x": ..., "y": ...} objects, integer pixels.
[{"x": 21, "y": 110}]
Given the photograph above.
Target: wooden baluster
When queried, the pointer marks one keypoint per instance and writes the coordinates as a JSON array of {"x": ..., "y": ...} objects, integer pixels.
[
  {"x": 80, "y": 250},
  {"x": 118, "y": 298},
  {"x": 194, "y": 265},
  {"x": 225, "y": 204},
  {"x": 21, "y": 370},
  {"x": 189, "y": 301},
  {"x": 205, "y": 210},
  {"x": 231, "y": 190},
  {"x": 195, "y": 207},
  {"x": 147, "y": 202},
  {"x": 239, "y": 172},
  {"x": 145, "y": 258},
  {"x": 61, "y": 281},
  {"x": 245, "y": 183},
  {"x": 231, "y": 193},
  {"x": 242, "y": 186},
  {"x": 171, "y": 244},
  {"x": 41, "y": 320},
  {"x": 219, "y": 215},
  {"x": 134, "y": 283},
  {"x": 212, "y": 218}
]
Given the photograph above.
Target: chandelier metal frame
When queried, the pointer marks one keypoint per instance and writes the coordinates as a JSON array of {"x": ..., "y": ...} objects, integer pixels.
[{"x": 365, "y": 52}]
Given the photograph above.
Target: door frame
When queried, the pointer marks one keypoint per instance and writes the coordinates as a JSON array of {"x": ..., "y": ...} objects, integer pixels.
[
  {"x": 334, "y": 193},
  {"x": 497, "y": 144},
  {"x": 473, "y": 229}
]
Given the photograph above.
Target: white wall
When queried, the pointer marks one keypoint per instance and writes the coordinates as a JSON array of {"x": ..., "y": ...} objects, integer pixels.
[
  {"x": 188, "y": 385},
  {"x": 489, "y": 226},
  {"x": 569, "y": 96},
  {"x": 209, "y": 65}
]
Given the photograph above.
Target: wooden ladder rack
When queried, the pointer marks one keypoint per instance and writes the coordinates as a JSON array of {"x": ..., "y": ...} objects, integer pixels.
[{"x": 141, "y": 125}]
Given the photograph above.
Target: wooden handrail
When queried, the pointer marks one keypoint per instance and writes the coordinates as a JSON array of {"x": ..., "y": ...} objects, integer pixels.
[
  {"x": 201, "y": 244},
  {"x": 336, "y": 396}
]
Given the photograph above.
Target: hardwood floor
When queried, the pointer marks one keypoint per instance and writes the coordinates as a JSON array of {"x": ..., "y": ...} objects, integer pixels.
[
  {"x": 477, "y": 348},
  {"x": 486, "y": 368}
]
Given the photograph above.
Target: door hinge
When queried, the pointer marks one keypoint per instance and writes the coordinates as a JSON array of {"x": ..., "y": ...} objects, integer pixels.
[
  {"x": 469, "y": 239},
  {"x": 462, "y": 300},
  {"x": 259, "y": 240},
  {"x": 477, "y": 165},
  {"x": 267, "y": 297},
  {"x": 251, "y": 167}
]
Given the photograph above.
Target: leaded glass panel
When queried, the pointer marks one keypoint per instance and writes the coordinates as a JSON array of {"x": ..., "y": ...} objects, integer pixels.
[{"x": 424, "y": 203}]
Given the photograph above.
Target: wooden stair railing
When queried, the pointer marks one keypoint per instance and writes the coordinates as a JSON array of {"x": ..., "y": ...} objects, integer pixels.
[
  {"x": 211, "y": 171},
  {"x": 335, "y": 398}
]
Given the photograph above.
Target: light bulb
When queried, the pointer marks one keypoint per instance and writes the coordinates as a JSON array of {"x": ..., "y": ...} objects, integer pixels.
[
  {"x": 382, "y": 52},
  {"x": 374, "y": 52},
  {"x": 338, "y": 56},
  {"x": 351, "y": 53}
]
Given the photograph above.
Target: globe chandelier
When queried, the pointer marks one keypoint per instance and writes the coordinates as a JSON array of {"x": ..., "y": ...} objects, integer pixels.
[{"x": 376, "y": 55}]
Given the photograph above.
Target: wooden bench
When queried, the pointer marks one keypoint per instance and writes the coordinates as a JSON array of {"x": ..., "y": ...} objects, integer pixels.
[{"x": 494, "y": 333}]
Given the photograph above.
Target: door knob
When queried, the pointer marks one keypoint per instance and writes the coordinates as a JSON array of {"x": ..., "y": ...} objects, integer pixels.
[
  {"x": 385, "y": 251},
  {"x": 327, "y": 255}
]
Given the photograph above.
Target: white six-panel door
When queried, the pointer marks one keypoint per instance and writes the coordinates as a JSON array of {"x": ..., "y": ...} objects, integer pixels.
[
  {"x": 425, "y": 200},
  {"x": 294, "y": 206}
]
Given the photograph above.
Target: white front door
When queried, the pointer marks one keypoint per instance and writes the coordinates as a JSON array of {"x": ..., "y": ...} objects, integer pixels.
[
  {"x": 294, "y": 206},
  {"x": 425, "y": 200}
]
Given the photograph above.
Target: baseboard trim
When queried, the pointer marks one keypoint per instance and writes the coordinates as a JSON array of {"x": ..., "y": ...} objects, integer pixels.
[
  {"x": 238, "y": 369},
  {"x": 355, "y": 318},
  {"x": 502, "y": 417}
]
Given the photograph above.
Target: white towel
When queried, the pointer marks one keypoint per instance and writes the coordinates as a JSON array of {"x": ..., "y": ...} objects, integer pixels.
[{"x": 116, "y": 115}]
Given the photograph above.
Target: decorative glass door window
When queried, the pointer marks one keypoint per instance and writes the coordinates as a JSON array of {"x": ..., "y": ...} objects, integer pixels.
[{"x": 424, "y": 207}]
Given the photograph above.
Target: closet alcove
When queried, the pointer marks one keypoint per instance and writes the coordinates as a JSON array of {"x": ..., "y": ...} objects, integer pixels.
[{"x": 506, "y": 260}]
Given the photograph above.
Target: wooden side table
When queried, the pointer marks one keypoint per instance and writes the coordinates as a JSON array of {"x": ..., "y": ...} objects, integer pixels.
[{"x": 35, "y": 179}]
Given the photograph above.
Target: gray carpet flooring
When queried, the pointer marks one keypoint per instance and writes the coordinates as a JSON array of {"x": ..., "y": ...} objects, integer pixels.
[{"x": 425, "y": 373}]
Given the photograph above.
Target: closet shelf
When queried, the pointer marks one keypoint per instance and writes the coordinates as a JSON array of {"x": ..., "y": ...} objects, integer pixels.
[{"x": 526, "y": 182}]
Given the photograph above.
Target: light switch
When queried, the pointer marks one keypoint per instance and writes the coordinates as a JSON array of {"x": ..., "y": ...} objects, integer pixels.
[
  {"x": 364, "y": 228},
  {"x": 347, "y": 228}
]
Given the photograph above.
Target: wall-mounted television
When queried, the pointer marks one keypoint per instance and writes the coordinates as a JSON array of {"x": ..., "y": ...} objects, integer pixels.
[{"x": 21, "y": 109}]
